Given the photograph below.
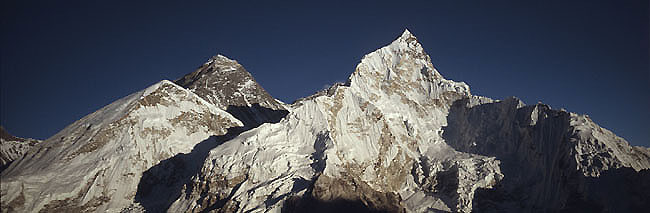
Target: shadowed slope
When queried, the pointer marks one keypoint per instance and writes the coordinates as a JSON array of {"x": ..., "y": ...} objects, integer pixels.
[{"x": 538, "y": 148}]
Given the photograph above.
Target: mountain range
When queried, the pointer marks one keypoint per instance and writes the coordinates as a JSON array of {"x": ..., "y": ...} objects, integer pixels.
[{"x": 395, "y": 137}]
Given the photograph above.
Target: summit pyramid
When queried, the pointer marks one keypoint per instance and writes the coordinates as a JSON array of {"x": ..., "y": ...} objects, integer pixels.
[{"x": 397, "y": 137}]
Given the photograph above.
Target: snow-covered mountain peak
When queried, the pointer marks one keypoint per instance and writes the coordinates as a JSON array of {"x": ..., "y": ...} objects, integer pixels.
[
  {"x": 397, "y": 137},
  {"x": 407, "y": 33},
  {"x": 404, "y": 58},
  {"x": 409, "y": 38},
  {"x": 226, "y": 84},
  {"x": 223, "y": 82},
  {"x": 403, "y": 68},
  {"x": 96, "y": 163},
  {"x": 407, "y": 42},
  {"x": 221, "y": 60}
]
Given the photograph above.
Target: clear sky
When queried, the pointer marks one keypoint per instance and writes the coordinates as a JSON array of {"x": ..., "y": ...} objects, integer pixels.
[{"x": 61, "y": 60}]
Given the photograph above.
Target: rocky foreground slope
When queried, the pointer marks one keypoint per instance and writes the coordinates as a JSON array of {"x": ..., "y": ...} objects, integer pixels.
[{"x": 395, "y": 137}]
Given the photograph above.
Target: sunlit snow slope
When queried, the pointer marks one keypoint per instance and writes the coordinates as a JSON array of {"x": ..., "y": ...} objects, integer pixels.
[
  {"x": 95, "y": 164},
  {"x": 12, "y": 147},
  {"x": 396, "y": 137}
]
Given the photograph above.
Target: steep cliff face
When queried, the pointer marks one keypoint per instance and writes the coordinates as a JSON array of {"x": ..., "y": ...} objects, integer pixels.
[
  {"x": 551, "y": 159},
  {"x": 385, "y": 128},
  {"x": 12, "y": 147},
  {"x": 399, "y": 137},
  {"x": 396, "y": 137},
  {"x": 374, "y": 142},
  {"x": 95, "y": 164}
]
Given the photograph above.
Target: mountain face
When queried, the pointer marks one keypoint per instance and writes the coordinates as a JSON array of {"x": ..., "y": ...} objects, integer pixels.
[
  {"x": 226, "y": 84},
  {"x": 551, "y": 159},
  {"x": 96, "y": 163},
  {"x": 396, "y": 137},
  {"x": 12, "y": 147}
]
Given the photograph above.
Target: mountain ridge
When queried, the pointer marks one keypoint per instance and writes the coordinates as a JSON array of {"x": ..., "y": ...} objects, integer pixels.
[
  {"x": 12, "y": 147},
  {"x": 396, "y": 137}
]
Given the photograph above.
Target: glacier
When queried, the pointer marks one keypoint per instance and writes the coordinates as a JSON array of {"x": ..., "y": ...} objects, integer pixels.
[{"x": 396, "y": 137}]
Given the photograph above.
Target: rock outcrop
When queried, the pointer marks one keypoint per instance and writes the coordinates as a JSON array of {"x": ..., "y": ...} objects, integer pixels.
[{"x": 396, "y": 137}]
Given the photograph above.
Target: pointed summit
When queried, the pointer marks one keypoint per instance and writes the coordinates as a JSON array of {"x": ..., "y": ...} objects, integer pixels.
[
  {"x": 223, "y": 82},
  {"x": 221, "y": 63},
  {"x": 408, "y": 41},
  {"x": 404, "y": 68},
  {"x": 407, "y": 34},
  {"x": 220, "y": 59},
  {"x": 404, "y": 57},
  {"x": 396, "y": 138},
  {"x": 226, "y": 84}
]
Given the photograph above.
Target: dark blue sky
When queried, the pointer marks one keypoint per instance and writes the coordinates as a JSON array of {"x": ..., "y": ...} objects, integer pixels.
[{"x": 61, "y": 61}]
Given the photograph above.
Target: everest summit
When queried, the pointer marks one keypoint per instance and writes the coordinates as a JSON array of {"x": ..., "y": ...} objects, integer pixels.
[{"x": 396, "y": 137}]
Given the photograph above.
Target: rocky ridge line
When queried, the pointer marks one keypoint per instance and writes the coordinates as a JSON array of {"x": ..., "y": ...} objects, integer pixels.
[{"x": 396, "y": 137}]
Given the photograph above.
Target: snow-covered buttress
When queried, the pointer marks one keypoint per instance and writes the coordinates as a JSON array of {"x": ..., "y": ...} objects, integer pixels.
[{"x": 397, "y": 137}]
